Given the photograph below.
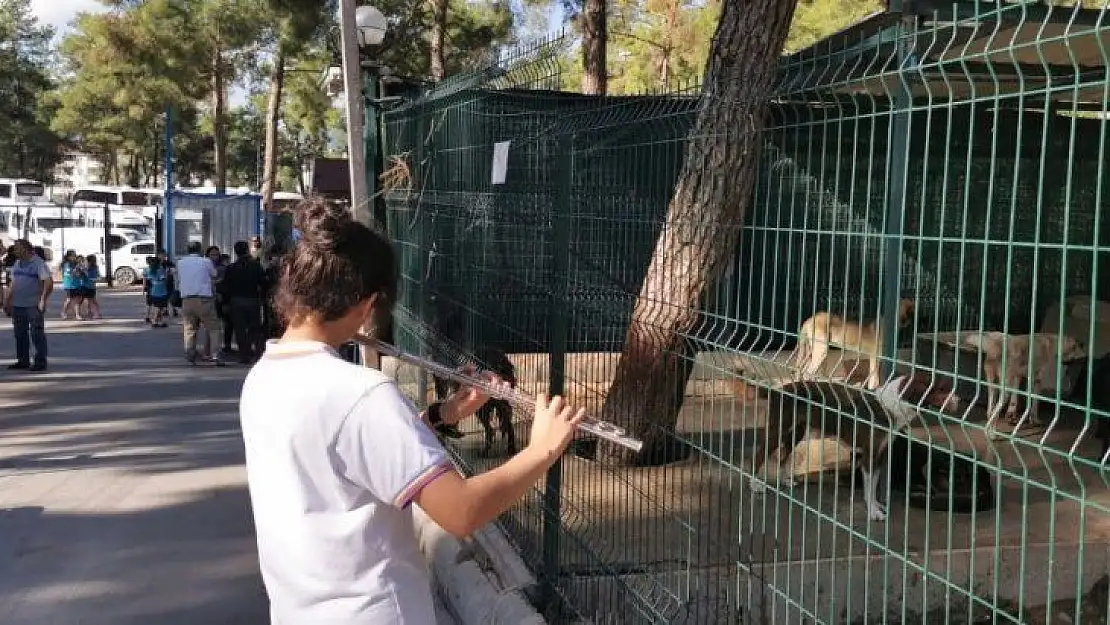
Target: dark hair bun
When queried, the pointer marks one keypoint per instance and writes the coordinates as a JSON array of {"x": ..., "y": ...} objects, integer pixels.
[{"x": 323, "y": 225}]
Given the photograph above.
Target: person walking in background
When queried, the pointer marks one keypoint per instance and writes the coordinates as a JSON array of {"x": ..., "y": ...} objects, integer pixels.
[
  {"x": 32, "y": 285},
  {"x": 244, "y": 285},
  {"x": 195, "y": 274},
  {"x": 223, "y": 303},
  {"x": 212, "y": 253},
  {"x": 154, "y": 281},
  {"x": 271, "y": 321},
  {"x": 6, "y": 275},
  {"x": 148, "y": 308},
  {"x": 256, "y": 250},
  {"x": 91, "y": 274},
  {"x": 71, "y": 284}
]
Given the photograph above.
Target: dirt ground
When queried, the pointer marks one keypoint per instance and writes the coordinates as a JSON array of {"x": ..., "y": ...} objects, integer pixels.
[{"x": 689, "y": 542}]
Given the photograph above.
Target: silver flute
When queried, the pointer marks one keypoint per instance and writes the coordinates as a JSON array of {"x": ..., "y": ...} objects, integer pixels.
[{"x": 601, "y": 429}]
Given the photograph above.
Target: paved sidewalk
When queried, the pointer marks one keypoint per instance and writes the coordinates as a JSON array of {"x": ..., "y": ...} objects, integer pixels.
[{"x": 122, "y": 491}]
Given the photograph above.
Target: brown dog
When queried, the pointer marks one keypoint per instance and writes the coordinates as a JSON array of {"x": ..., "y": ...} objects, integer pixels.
[
  {"x": 744, "y": 392},
  {"x": 851, "y": 415},
  {"x": 1023, "y": 352},
  {"x": 824, "y": 329}
]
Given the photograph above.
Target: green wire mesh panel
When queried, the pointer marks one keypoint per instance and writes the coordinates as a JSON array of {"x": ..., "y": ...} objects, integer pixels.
[{"x": 953, "y": 155}]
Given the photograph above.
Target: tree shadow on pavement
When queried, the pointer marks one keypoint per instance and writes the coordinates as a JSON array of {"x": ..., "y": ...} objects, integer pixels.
[
  {"x": 123, "y": 498},
  {"x": 190, "y": 562}
]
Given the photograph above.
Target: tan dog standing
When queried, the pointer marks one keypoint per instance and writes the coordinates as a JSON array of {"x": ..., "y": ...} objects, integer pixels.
[
  {"x": 1022, "y": 350},
  {"x": 824, "y": 329}
]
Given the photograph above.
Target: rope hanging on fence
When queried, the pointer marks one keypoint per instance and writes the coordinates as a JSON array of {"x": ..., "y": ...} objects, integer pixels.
[{"x": 398, "y": 176}]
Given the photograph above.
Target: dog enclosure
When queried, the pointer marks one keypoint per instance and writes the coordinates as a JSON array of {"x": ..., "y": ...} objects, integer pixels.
[{"x": 952, "y": 154}]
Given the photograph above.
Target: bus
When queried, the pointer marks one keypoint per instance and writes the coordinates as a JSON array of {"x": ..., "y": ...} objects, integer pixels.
[
  {"x": 26, "y": 214},
  {"x": 129, "y": 208}
]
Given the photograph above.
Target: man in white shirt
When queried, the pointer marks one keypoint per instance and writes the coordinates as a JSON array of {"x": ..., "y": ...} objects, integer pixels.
[{"x": 198, "y": 304}]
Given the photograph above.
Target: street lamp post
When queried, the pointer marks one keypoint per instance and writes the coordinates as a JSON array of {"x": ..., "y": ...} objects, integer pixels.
[
  {"x": 372, "y": 27},
  {"x": 361, "y": 28}
]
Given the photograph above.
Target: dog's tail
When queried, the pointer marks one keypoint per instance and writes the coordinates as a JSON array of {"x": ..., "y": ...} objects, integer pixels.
[
  {"x": 989, "y": 343},
  {"x": 980, "y": 341},
  {"x": 974, "y": 339}
]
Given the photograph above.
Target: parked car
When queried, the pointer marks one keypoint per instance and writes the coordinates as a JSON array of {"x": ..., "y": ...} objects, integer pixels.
[{"x": 129, "y": 261}]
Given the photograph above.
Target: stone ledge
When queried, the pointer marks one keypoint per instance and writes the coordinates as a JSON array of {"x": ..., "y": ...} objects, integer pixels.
[{"x": 477, "y": 586}]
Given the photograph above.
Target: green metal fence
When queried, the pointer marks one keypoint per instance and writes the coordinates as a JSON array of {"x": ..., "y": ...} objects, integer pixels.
[{"x": 950, "y": 154}]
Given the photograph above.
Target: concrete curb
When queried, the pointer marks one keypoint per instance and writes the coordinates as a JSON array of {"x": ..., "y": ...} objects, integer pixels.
[{"x": 478, "y": 583}]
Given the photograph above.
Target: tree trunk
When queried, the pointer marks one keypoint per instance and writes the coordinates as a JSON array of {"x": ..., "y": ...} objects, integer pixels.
[
  {"x": 668, "y": 46},
  {"x": 439, "y": 33},
  {"x": 113, "y": 167},
  {"x": 22, "y": 160},
  {"x": 133, "y": 169},
  {"x": 702, "y": 227},
  {"x": 273, "y": 110},
  {"x": 595, "y": 79},
  {"x": 219, "y": 120}
]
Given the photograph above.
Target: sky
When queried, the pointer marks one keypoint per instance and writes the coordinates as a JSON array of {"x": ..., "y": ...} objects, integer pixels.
[{"x": 59, "y": 13}]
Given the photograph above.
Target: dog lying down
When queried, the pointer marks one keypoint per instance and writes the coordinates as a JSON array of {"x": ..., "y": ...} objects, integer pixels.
[
  {"x": 937, "y": 479},
  {"x": 849, "y": 414}
]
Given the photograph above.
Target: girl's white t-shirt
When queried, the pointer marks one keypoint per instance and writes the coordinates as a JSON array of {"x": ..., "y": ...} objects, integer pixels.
[{"x": 335, "y": 454}]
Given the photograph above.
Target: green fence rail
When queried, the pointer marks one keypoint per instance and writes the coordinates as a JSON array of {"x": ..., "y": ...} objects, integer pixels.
[{"x": 949, "y": 154}]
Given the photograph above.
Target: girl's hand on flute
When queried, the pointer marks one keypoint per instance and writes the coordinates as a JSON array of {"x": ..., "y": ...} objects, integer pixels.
[
  {"x": 468, "y": 399},
  {"x": 554, "y": 425}
]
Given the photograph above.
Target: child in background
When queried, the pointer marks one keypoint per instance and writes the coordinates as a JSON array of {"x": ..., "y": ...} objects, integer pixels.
[
  {"x": 146, "y": 291},
  {"x": 91, "y": 273},
  {"x": 154, "y": 281},
  {"x": 171, "y": 281},
  {"x": 71, "y": 283}
]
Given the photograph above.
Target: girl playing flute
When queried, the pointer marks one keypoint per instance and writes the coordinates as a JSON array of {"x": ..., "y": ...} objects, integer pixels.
[{"x": 335, "y": 453}]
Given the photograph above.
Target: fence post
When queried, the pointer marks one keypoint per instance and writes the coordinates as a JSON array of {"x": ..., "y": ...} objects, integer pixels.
[
  {"x": 896, "y": 206},
  {"x": 108, "y": 246},
  {"x": 165, "y": 227},
  {"x": 558, "y": 330},
  {"x": 420, "y": 171}
]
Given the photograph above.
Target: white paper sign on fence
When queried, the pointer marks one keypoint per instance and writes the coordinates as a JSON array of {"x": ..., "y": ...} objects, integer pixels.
[{"x": 500, "y": 161}]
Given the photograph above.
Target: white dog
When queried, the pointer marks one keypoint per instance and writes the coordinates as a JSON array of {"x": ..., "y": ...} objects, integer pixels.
[{"x": 1041, "y": 351}]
